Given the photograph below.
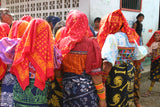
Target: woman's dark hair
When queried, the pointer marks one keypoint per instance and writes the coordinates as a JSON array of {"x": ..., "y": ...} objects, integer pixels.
[
  {"x": 49, "y": 19},
  {"x": 97, "y": 19},
  {"x": 139, "y": 15}
]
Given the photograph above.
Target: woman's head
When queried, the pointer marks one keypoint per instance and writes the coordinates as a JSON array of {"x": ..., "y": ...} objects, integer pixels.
[
  {"x": 97, "y": 22},
  {"x": 157, "y": 36},
  {"x": 49, "y": 20},
  {"x": 27, "y": 18},
  {"x": 4, "y": 30},
  {"x": 58, "y": 26},
  {"x": 55, "y": 20},
  {"x": 6, "y": 16},
  {"x": 140, "y": 17},
  {"x": 77, "y": 24},
  {"x": 18, "y": 28}
]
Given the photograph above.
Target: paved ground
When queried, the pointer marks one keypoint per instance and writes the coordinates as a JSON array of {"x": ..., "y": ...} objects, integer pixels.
[{"x": 154, "y": 99}]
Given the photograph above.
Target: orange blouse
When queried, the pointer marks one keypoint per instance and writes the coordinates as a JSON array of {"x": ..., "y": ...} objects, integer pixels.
[
  {"x": 85, "y": 56},
  {"x": 74, "y": 62}
]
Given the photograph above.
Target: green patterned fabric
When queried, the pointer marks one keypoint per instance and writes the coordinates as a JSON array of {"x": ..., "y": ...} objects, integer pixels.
[{"x": 31, "y": 97}]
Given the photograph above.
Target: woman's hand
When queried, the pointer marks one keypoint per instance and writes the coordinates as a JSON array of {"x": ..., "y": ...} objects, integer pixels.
[
  {"x": 138, "y": 62},
  {"x": 102, "y": 103}
]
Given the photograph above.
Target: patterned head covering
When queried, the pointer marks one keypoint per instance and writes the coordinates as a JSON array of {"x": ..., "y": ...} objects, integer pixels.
[
  {"x": 27, "y": 18},
  {"x": 152, "y": 39},
  {"x": 18, "y": 28},
  {"x": 76, "y": 28},
  {"x": 36, "y": 47},
  {"x": 4, "y": 30},
  {"x": 112, "y": 23}
]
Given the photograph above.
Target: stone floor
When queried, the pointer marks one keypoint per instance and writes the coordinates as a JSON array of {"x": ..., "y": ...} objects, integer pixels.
[{"x": 154, "y": 99}]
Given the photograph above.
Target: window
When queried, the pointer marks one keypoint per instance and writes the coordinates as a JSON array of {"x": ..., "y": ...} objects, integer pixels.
[{"x": 131, "y": 5}]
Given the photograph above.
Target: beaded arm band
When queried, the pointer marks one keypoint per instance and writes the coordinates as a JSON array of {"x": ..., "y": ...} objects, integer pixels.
[{"x": 102, "y": 94}]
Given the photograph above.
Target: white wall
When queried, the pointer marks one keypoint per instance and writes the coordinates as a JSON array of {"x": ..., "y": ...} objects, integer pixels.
[
  {"x": 151, "y": 11},
  {"x": 99, "y": 8},
  {"x": 84, "y": 7}
]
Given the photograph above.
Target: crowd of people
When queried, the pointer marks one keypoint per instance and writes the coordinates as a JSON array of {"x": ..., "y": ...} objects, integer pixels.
[{"x": 52, "y": 63}]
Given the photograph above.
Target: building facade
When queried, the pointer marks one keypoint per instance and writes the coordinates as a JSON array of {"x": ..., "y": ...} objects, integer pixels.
[{"x": 42, "y": 8}]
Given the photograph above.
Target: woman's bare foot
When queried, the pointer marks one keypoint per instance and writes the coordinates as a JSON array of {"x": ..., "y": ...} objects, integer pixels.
[{"x": 146, "y": 94}]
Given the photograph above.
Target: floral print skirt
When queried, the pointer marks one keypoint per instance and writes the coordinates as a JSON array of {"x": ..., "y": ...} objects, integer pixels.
[{"x": 79, "y": 91}]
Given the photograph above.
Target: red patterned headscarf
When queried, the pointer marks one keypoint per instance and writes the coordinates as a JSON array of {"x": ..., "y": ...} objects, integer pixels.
[
  {"x": 111, "y": 24},
  {"x": 4, "y": 31},
  {"x": 18, "y": 28},
  {"x": 36, "y": 47},
  {"x": 152, "y": 39},
  {"x": 27, "y": 18},
  {"x": 77, "y": 27}
]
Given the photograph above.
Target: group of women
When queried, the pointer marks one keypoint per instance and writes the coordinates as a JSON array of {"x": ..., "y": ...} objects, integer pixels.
[{"x": 74, "y": 69}]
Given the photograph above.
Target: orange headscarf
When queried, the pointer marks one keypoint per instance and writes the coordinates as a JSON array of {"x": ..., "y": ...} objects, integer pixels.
[
  {"x": 17, "y": 29},
  {"x": 59, "y": 34},
  {"x": 27, "y": 18},
  {"x": 36, "y": 47},
  {"x": 4, "y": 30},
  {"x": 76, "y": 28},
  {"x": 152, "y": 39},
  {"x": 111, "y": 24}
]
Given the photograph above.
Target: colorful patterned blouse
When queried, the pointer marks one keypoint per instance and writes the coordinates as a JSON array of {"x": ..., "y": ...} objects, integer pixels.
[{"x": 118, "y": 50}]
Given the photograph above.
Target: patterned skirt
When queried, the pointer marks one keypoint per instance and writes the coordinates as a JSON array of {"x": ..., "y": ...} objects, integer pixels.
[
  {"x": 7, "y": 90},
  {"x": 155, "y": 71},
  {"x": 31, "y": 97},
  {"x": 55, "y": 95},
  {"x": 120, "y": 86},
  {"x": 79, "y": 91}
]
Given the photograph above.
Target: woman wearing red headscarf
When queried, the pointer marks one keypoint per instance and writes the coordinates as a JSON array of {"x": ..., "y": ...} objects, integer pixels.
[
  {"x": 119, "y": 49},
  {"x": 17, "y": 30},
  {"x": 154, "y": 51},
  {"x": 82, "y": 81},
  {"x": 33, "y": 65},
  {"x": 4, "y": 31},
  {"x": 27, "y": 18}
]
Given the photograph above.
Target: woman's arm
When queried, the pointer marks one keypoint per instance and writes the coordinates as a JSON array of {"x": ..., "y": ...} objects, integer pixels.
[
  {"x": 101, "y": 92},
  {"x": 107, "y": 66},
  {"x": 135, "y": 26}
]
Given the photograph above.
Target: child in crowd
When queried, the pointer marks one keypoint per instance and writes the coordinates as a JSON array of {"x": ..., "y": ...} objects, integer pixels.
[
  {"x": 154, "y": 52},
  {"x": 96, "y": 24},
  {"x": 138, "y": 27}
]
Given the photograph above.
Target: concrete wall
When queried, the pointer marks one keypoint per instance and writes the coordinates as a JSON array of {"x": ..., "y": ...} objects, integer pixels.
[{"x": 99, "y": 8}]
